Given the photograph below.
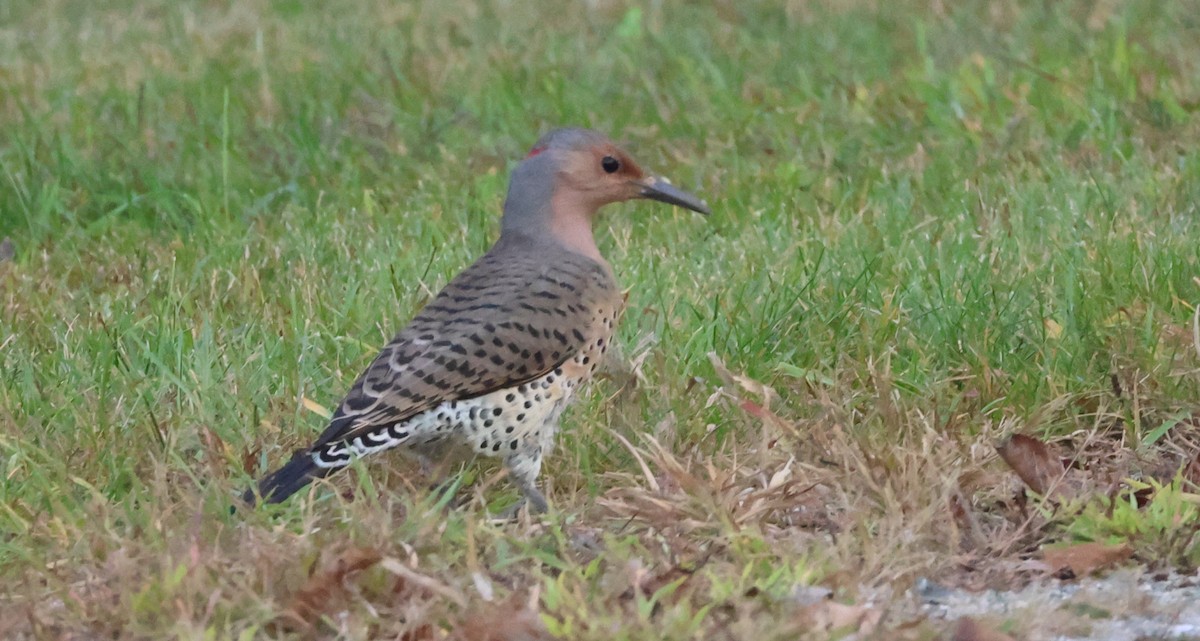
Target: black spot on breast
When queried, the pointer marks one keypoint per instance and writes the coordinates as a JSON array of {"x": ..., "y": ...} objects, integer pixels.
[
  {"x": 510, "y": 397},
  {"x": 578, "y": 335}
]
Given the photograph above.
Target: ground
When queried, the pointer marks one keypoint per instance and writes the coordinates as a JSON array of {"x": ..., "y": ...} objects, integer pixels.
[{"x": 942, "y": 232}]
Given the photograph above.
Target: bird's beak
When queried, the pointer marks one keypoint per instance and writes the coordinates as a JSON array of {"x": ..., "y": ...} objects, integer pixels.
[{"x": 660, "y": 189}]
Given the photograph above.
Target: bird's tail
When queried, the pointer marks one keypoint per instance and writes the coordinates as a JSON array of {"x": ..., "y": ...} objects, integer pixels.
[{"x": 289, "y": 479}]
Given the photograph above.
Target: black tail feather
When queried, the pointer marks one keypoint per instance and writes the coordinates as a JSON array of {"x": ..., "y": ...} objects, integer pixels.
[{"x": 297, "y": 473}]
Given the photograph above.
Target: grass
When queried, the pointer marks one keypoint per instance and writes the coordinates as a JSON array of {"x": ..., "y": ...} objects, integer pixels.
[{"x": 935, "y": 225}]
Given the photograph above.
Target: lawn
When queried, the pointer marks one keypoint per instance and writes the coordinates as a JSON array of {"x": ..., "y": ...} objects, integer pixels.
[{"x": 936, "y": 225}]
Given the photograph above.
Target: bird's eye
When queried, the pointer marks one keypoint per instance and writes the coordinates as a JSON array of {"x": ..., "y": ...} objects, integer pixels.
[{"x": 610, "y": 164}]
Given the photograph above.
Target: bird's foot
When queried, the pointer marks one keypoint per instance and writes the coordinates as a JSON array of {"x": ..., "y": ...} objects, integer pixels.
[
  {"x": 532, "y": 498},
  {"x": 510, "y": 513}
]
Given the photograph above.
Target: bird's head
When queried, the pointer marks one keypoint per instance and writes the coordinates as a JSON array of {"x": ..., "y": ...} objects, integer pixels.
[{"x": 570, "y": 174}]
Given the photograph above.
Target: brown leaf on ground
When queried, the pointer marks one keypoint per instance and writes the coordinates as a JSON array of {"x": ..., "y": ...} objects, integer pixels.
[
  {"x": 1191, "y": 472},
  {"x": 1033, "y": 461},
  {"x": 514, "y": 619},
  {"x": 761, "y": 390},
  {"x": 326, "y": 589},
  {"x": 828, "y": 615},
  {"x": 969, "y": 531},
  {"x": 215, "y": 449},
  {"x": 969, "y": 629},
  {"x": 1084, "y": 558},
  {"x": 250, "y": 460},
  {"x": 648, "y": 584}
]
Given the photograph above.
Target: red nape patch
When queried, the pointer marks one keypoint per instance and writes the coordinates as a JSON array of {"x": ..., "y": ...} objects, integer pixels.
[{"x": 535, "y": 151}]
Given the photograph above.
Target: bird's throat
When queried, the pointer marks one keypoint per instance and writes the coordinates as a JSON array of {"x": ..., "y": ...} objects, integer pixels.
[{"x": 571, "y": 225}]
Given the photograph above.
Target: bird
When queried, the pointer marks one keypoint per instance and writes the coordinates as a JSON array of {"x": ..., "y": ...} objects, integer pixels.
[{"x": 490, "y": 362}]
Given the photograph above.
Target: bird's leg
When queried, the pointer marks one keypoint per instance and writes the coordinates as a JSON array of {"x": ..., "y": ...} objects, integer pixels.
[
  {"x": 535, "y": 498},
  {"x": 524, "y": 467}
]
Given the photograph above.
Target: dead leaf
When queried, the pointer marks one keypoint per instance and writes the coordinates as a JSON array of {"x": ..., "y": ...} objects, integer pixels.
[
  {"x": 514, "y": 619},
  {"x": 969, "y": 629},
  {"x": 1085, "y": 558},
  {"x": 327, "y": 589},
  {"x": 315, "y": 407},
  {"x": 1053, "y": 329},
  {"x": 1033, "y": 462},
  {"x": 250, "y": 459},
  {"x": 964, "y": 519},
  {"x": 761, "y": 390},
  {"x": 648, "y": 584},
  {"x": 830, "y": 615},
  {"x": 1191, "y": 473},
  {"x": 409, "y": 578},
  {"x": 761, "y": 411},
  {"x": 215, "y": 450}
]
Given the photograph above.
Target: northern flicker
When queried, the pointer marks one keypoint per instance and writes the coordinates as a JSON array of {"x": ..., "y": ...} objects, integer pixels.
[{"x": 493, "y": 359}]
